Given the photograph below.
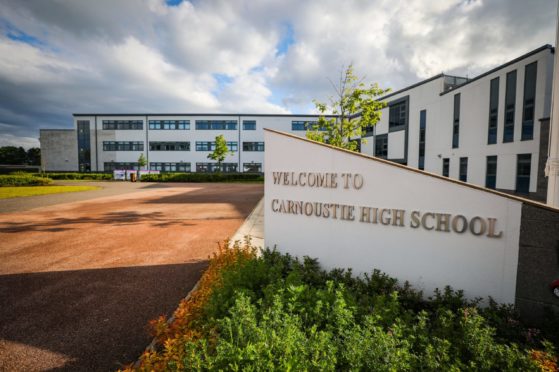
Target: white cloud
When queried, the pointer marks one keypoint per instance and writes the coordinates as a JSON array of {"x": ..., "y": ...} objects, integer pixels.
[{"x": 131, "y": 55}]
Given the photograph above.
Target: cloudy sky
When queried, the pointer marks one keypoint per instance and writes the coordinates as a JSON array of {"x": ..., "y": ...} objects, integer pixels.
[{"x": 59, "y": 57}]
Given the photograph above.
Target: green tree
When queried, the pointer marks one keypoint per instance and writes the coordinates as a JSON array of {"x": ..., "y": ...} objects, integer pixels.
[
  {"x": 13, "y": 155},
  {"x": 220, "y": 151},
  {"x": 354, "y": 109},
  {"x": 142, "y": 162},
  {"x": 34, "y": 156}
]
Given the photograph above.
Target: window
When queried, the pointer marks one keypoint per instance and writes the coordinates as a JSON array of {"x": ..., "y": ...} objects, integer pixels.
[
  {"x": 463, "y": 174},
  {"x": 252, "y": 167},
  {"x": 213, "y": 167},
  {"x": 303, "y": 125},
  {"x": 84, "y": 146},
  {"x": 493, "y": 111},
  {"x": 123, "y": 146},
  {"x": 456, "y": 122},
  {"x": 523, "y": 169},
  {"x": 381, "y": 146},
  {"x": 169, "y": 124},
  {"x": 422, "y": 127},
  {"x": 510, "y": 98},
  {"x": 216, "y": 125},
  {"x": 398, "y": 115},
  {"x": 249, "y": 124},
  {"x": 446, "y": 167},
  {"x": 170, "y": 167},
  {"x": 123, "y": 124},
  {"x": 111, "y": 166},
  {"x": 491, "y": 172},
  {"x": 253, "y": 146},
  {"x": 210, "y": 146},
  {"x": 530, "y": 73},
  {"x": 169, "y": 146}
]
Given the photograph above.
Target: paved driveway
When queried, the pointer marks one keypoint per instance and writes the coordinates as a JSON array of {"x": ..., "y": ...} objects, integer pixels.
[{"x": 79, "y": 281}]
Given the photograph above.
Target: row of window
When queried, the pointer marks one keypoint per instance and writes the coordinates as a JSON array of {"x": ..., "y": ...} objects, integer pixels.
[
  {"x": 528, "y": 108},
  {"x": 523, "y": 169},
  {"x": 123, "y": 146},
  {"x": 185, "y": 167},
  {"x": 299, "y": 125},
  {"x": 177, "y": 124},
  {"x": 169, "y": 124},
  {"x": 177, "y": 146},
  {"x": 123, "y": 124}
]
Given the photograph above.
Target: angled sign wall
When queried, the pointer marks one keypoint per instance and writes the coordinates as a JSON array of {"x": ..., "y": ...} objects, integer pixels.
[{"x": 351, "y": 210}]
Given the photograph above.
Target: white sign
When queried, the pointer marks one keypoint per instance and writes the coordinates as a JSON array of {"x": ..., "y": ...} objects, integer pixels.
[
  {"x": 350, "y": 210},
  {"x": 119, "y": 175}
]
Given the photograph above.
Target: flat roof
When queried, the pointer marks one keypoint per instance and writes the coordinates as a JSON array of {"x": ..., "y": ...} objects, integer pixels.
[
  {"x": 207, "y": 114},
  {"x": 506, "y": 64}
]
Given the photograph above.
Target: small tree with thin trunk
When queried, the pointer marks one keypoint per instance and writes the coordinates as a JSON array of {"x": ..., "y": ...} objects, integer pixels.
[
  {"x": 220, "y": 151},
  {"x": 142, "y": 162},
  {"x": 351, "y": 113}
]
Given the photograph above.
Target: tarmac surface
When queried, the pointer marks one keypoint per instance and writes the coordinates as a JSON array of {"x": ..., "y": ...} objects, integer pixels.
[{"x": 80, "y": 280}]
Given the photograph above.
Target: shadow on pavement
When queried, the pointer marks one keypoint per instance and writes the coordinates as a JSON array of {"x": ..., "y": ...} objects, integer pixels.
[
  {"x": 96, "y": 319},
  {"x": 123, "y": 218}
]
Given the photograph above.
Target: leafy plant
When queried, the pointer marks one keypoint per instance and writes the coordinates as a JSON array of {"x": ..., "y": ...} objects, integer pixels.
[
  {"x": 220, "y": 151},
  {"x": 276, "y": 312},
  {"x": 350, "y": 114}
]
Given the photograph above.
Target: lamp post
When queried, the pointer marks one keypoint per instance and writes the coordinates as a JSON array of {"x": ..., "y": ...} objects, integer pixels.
[{"x": 552, "y": 166}]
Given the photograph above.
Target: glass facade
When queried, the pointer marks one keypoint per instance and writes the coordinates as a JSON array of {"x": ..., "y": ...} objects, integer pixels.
[
  {"x": 210, "y": 146},
  {"x": 249, "y": 124},
  {"x": 446, "y": 167},
  {"x": 216, "y": 125},
  {"x": 169, "y": 146},
  {"x": 456, "y": 122},
  {"x": 84, "y": 146},
  {"x": 510, "y": 99},
  {"x": 493, "y": 111},
  {"x": 422, "y": 128},
  {"x": 397, "y": 115},
  {"x": 253, "y": 146},
  {"x": 491, "y": 172},
  {"x": 214, "y": 167},
  {"x": 381, "y": 146},
  {"x": 530, "y": 75},
  {"x": 463, "y": 171},
  {"x": 523, "y": 169},
  {"x": 170, "y": 167},
  {"x": 302, "y": 125},
  {"x": 123, "y": 146},
  {"x": 252, "y": 167},
  {"x": 123, "y": 124},
  {"x": 169, "y": 124}
]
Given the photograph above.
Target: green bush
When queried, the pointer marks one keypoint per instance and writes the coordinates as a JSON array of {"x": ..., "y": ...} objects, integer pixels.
[
  {"x": 23, "y": 179},
  {"x": 203, "y": 177},
  {"x": 275, "y": 312},
  {"x": 80, "y": 176}
]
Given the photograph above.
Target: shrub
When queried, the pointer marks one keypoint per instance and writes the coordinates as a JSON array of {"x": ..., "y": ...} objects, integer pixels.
[
  {"x": 80, "y": 176},
  {"x": 275, "y": 312},
  {"x": 23, "y": 179},
  {"x": 203, "y": 177}
]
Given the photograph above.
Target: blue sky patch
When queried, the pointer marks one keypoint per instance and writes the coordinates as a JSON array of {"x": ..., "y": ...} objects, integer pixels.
[
  {"x": 287, "y": 39},
  {"x": 173, "y": 2},
  {"x": 222, "y": 81}
]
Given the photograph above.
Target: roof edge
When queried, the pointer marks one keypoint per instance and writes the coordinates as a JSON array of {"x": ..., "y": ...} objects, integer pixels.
[
  {"x": 198, "y": 114},
  {"x": 506, "y": 64},
  {"x": 410, "y": 169}
]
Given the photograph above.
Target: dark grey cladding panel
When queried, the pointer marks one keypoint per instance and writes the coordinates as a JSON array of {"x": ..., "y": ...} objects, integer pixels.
[{"x": 538, "y": 262}]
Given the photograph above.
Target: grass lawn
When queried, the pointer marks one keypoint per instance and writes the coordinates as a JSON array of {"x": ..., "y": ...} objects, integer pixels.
[{"x": 19, "y": 191}]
